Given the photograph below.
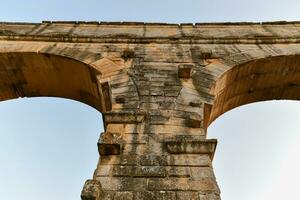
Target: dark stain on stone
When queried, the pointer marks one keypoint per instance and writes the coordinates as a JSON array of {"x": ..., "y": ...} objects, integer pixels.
[
  {"x": 193, "y": 123},
  {"x": 198, "y": 54},
  {"x": 185, "y": 71},
  {"x": 127, "y": 54},
  {"x": 120, "y": 100},
  {"x": 106, "y": 95},
  {"x": 195, "y": 104},
  {"x": 109, "y": 149},
  {"x": 18, "y": 89},
  {"x": 293, "y": 85},
  {"x": 7, "y": 32}
]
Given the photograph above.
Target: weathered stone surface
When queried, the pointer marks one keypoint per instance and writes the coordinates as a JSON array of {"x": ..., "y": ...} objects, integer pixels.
[
  {"x": 158, "y": 86},
  {"x": 92, "y": 190},
  {"x": 139, "y": 171},
  {"x": 109, "y": 149},
  {"x": 159, "y": 160},
  {"x": 209, "y": 196},
  {"x": 190, "y": 195},
  {"x": 182, "y": 184},
  {"x": 122, "y": 183},
  {"x": 190, "y": 146},
  {"x": 123, "y": 196},
  {"x": 185, "y": 71},
  {"x": 156, "y": 195},
  {"x": 174, "y": 171},
  {"x": 124, "y": 117}
]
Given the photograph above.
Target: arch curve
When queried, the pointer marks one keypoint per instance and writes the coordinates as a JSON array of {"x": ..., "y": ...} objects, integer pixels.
[
  {"x": 29, "y": 74},
  {"x": 268, "y": 78}
]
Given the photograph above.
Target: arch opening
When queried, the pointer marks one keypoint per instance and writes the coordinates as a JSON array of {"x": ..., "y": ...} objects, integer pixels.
[
  {"x": 257, "y": 154},
  {"x": 48, "y": 147},
  {"x": 30, "y": 74},
  {"x": 271, "y": 78},
  {"x": 238, "y": 89}
]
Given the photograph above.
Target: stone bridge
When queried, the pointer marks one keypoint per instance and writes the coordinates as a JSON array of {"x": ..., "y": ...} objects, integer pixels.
[{"x": 158, "y": 87}]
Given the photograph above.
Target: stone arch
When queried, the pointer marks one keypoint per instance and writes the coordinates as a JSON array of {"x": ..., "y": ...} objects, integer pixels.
[
  {"x": 68, "y": 51},
  {"x": 38, "y": 69},
  {"x": 103, "y": 68},
  {"x": 28, "y": 74},
  {"x": 262, "y": 79}
]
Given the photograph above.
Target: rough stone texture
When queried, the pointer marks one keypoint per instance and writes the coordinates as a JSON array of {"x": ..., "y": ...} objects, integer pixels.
[
  {"x": 92, "y": 190},
  {"x": 158, "y": 86}
]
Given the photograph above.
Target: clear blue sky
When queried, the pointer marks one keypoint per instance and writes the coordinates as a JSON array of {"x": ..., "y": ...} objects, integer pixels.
[
  {"x": 154, "y": 10},
  {"x": 48, "y": 146}
]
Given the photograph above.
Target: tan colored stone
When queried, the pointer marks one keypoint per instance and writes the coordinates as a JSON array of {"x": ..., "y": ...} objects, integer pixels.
[{"x": 158, "y": 86}]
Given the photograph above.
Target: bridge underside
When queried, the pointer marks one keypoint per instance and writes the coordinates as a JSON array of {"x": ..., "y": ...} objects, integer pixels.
[{"x": 158, "y": 86}]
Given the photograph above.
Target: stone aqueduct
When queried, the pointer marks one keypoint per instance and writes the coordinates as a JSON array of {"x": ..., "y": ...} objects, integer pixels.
[{"x": 158, "y": 86}]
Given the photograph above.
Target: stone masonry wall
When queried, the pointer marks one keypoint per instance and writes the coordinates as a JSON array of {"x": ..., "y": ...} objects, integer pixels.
[{"x": 154, "y": 147}]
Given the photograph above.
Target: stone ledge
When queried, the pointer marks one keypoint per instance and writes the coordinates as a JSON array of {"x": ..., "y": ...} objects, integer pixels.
[
  {"x": 145, "y": 33},
  {"x": 191, "y": 146},
  {"x": 183, "y": 40},
  {"x": 194, "y": 160},
  {"x": 124, "y": 117},
  {"x": 152, "y": 23}
]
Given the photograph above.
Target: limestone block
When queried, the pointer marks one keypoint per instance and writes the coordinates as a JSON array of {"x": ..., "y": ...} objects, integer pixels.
[
  {"x": 156, "y": 195},
  {"x": 123, "y": 196},
  {"x": 175, "y": 171},
  {"x": 92, "y": 190},
  {"x": 190, "y": 146},
  {"x": 139, "y": 171},
  {"x": 189, "y": 195},
  {"x": 110, "y": 143},
  {"x": 181, "y": 184}
]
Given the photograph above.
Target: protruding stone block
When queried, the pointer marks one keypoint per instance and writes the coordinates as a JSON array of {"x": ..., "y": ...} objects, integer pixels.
[
  {"x": 191, "y": 146},
  {"x": 109, "y": 144},
  {"x": 92, "y": 190},
  {"x": 109, "y": 149}
]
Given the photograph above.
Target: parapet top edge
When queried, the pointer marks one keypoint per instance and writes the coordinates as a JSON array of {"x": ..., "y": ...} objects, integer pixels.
[{"x": 128, "y": 23}]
